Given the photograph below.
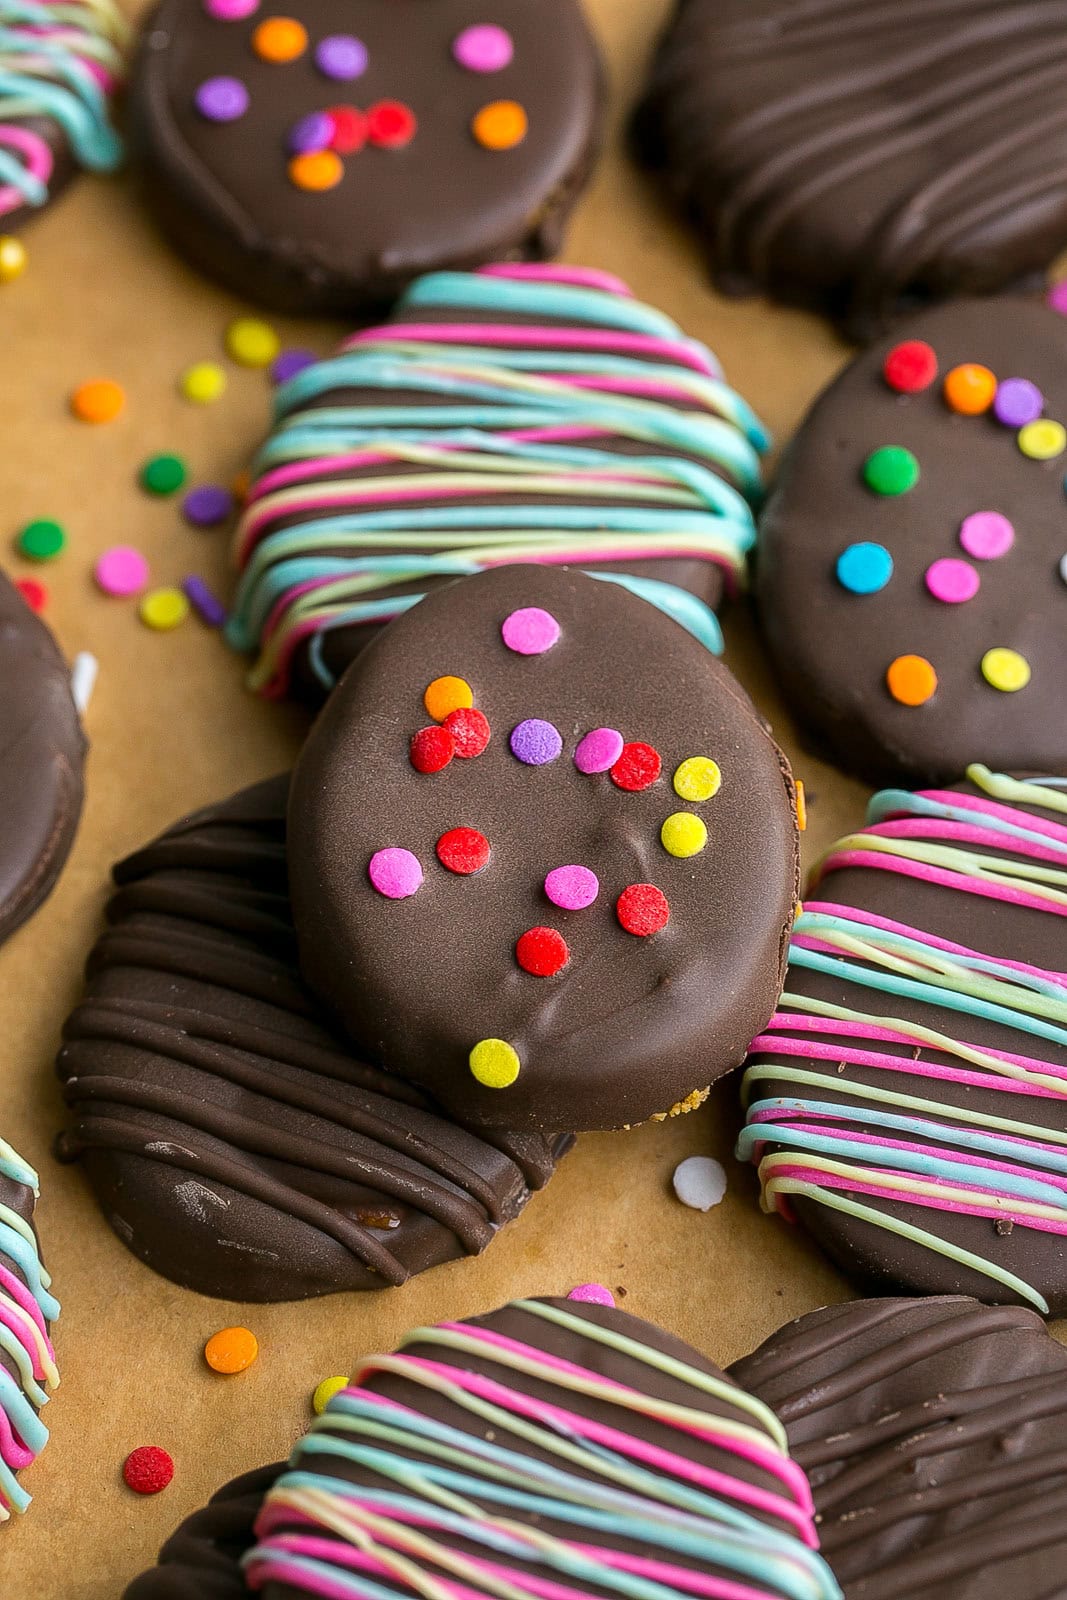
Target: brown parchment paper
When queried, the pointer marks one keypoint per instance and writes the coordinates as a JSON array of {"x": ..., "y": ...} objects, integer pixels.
[{"x": 172, "y": 727}]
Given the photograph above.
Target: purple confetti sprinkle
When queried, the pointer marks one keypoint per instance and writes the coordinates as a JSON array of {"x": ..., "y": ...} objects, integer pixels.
[
  {"x": 310, "y": 134},
  {"x": 200, "y": 597},
  {"x": 288, "y": 363},
  {"x": 207, "y": 505},
  {"x": 222, "y": 99},
  {"x": 341, "y": 56},
  {"x": 1017, "y": 402},
  {"x": 535, "y": 743}
]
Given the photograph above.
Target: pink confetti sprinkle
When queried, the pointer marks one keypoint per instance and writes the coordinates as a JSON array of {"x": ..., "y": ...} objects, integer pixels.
[
  {"x": 484, "y": 48},
  {"x": 592, "y": 1294},
  {"x": 599, "y": 750},
  {"x": 952, "y": 581},
  {"x": 395, "y": 873},
  {"x": 230, "y": 10},
  {"x": 530, "y": 632},
  {"x": 986, "y": 535},
  {"x": 572, "y": 888},
  {"x": 122, "y": 570}
]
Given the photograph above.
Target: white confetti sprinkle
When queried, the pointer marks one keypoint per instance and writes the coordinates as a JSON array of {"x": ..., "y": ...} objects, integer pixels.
[
  {"x": 83, "y": 680},
  {"x": 700, "y": 1182}
]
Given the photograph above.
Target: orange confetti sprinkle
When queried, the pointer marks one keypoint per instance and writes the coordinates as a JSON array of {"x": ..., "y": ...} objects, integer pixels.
[
  {"x": 970, "y": 389},
  {"x": 501, "y": 125},
  {"x": 231, "y": 1350},
  {"x": 316, "y": 170},
  {"x": 911, "y": 680},
  {"x": 99, "y": 400},
  {"x": 280, "y": 39}
]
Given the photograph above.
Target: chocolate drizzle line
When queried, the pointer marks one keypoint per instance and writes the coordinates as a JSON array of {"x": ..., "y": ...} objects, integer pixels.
[
  {"x": 199, "y": 1052},
  {"x": 930, "y": 111},
  {"x": 931, "y": 1432}
]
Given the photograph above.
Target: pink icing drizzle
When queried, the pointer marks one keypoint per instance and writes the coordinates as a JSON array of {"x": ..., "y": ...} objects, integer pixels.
[
  {"x": 829, "y": 1180},
  {"x": 37, "y": 158},
  {"x": 975, "y": 1078},
  {"x": 882, "y": 862},
  {"x": 577, "y": 277},
  {"x": 22, "y": 1297},
  {"x": 611, "y": 340},
  {"x": 695, "y": 1583},
  {"x": 994, "y": 808},
  {"x": 828, "y": 908},
  {"x": 960, "y": 833},
  {"x": 767, "y": 1460},
  {"x": 13, "y": 1452},
  {"x": 640, "y": 1450}
]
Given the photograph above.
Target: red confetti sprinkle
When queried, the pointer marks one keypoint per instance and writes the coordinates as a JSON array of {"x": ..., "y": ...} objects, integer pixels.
[
  {"x": 637, "y": 767},
  {"x": 910, "y": 367},
  {"x": 463, "y": 850},
  {"x": 148, "y": 1469},
  {"x": 470, "y": 729},
  {"x": 642, "y": 909},
  {"x": 349, "y": 129},
  {"x": 35, "y": 594},
  {"x": 542, "y": 951},
  {"x": 391, "y": 124},
  {"x": 432, "y": 749}
]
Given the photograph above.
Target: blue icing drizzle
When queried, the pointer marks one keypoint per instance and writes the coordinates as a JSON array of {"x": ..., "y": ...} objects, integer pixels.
[
  {"x": 49, "y": 76},
  {"x": 641, "y": 449},
  {"x": 22, "y": 1394}
]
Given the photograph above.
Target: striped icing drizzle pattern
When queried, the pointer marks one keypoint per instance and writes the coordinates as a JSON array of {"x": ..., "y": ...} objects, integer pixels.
[
  {"x": 60, "y": 62},
  {"x": 610, "y": 434},
  {"x": 27, "y": 1361},
  {"x": 591, "y": 1488},
  {"x": 893, "y": 1139}
]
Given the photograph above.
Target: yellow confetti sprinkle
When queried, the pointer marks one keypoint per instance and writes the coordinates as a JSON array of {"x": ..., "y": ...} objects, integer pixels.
[
  {"x": 1006, "y": 670},
  {"x": 203, "y": 382},
  {"x": 683, "y": 835},
  {"x": 697, "y": 779},
  {"x": 495, "y": 1063},
  {"x": 325, "y": 1393},
  {"x": 252, "y": 343},
  {"x": 164, "y": 609}
]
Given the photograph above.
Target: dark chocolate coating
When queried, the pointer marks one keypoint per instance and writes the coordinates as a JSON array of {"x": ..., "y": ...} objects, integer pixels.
[
  {"x": 235, "y": 1143},
  {"x": 1001, "y": 931},
  {"x": 201, "y": 1559},
  {"x": 832, "y": 648},
  {"x": 932, "y": 1433},
  {"x": 213, "y": 1540},
  {"x": 860, "y": 156},
  {"x": 633, "y": 1026},
  {"x": 222, "y": 195},
  {"x": 43, "y": 755}
]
